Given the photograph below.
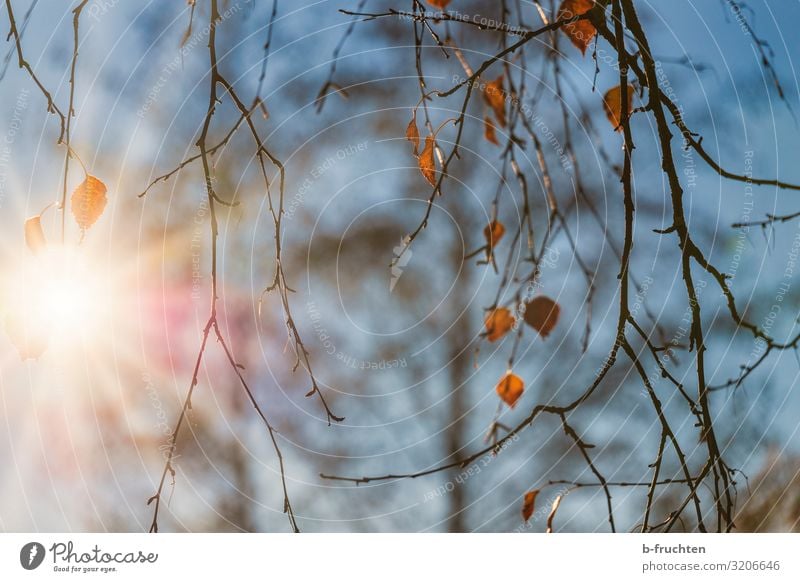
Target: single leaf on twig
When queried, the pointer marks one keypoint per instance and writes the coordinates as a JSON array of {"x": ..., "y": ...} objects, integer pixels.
[
  {"x": 510, "y": 388},
  {"x": 88, "y": 202},
  {"x": 541, "y": 313},
  {"x": 612, "y": 104},
  {"x": 489, "y": 131},
  {"x": 528, "y": 504},
  {"x": 552, "y": 515},
  {"x": 427, "y": 164},
  {"x": 580, "y": 32},
  {"x": 498, "y": 323},
  {"x": 495, "y": 97},
  {"x": 493, "y": 232},
  {"x": 412, "y": 133},
  {"x": 34, "y": 234}
]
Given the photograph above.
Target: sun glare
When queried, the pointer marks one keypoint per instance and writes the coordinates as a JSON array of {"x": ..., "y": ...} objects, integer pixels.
[{"x": 56, "y": 297}]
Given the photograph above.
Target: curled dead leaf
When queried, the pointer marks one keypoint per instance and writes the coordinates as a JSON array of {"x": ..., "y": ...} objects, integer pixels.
[
  {"x": 489, "y": 131},
  {"x": 552, "y": 514},
  {"x": 580, "y": 32},
  {"x": 427, "y": 164},
  {"x": 34, "y": 234},
  {"x": 510, "y": 388},
  {"x": 493, "y": 232},
  {"x": 612, "y": 104},
  {"x": 412, "y": 133},
  {"x": 528, "y": 504},
  {"x": 495, "y": 98},
  {"x": 88, "y": 201},
  {"x": 541, "y": 313},
  {"x": 498, "y": 323}
]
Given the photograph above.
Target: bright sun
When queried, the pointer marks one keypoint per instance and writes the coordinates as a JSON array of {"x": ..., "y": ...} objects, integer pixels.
[{"x": 54, "y": 298}]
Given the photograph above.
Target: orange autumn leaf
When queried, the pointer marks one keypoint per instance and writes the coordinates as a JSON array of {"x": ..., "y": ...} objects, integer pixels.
[
  {"x": 612, "y": 103},
  {"x": 580, "y": 32},
  {"x": 412, "y": 133},
  {"x": 440, "y": 4},
  {"x": 541, "y": 313},
  {"x": 489, "y": 132},
  {"x": 34, "y": 234},
  {"x": 493, "y": 232},
  {"x": 88, "y": 202},
  {"x": 510, "y": 388},
  {"x": 528, "y": 504},
  {"x": 498, "y": 323},
  {"x": 494, "y": 96},
  {"x": 427, "y": 165}
]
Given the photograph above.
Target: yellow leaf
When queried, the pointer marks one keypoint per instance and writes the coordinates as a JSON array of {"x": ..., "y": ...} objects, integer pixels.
[
  {"x": 580, "y": 32},
  {"x": 528, "y": 504},
  {"x": 88, "y": 202},
  {"x": 612, "y": 103},
  {"x": 427, "y": 165},
  {"x": 412, "y": 133},
  {"x": 489, "y": 132},
  {"x": 541, "y": 313},
  {"x": 34, "y": 234},
  {"x": 510, "y": 388},
  {"x": 495, "y": 97},
  {"x": 498, "y": 323}
]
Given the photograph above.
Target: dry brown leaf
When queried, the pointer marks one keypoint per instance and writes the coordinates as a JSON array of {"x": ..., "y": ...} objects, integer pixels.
[
  {"x": 495, "y": 98},
  {"x": 493, "y": 232},
  {"x": 440, "y": 4},
  {"x": 552, "y": 515},
  {"x": 510, "y": 388},
  {"x": 580, "y": 32},
  {"x": 88, "y": 202},
  {"x": 529, "y": 504},
  {"x": 541, "y": 313},
  {"x": 427, "y": 164},
  {"x": 498, "y": 323},
  {"x": 612, "y": 103},
  {"x": 34, "y": 234},
  {"x": 489, "y": 132},
  {"x": 412, "y": 133}
]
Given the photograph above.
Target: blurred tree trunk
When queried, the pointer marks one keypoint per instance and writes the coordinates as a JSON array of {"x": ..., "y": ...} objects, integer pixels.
[{"x": 458, "y": 370}]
